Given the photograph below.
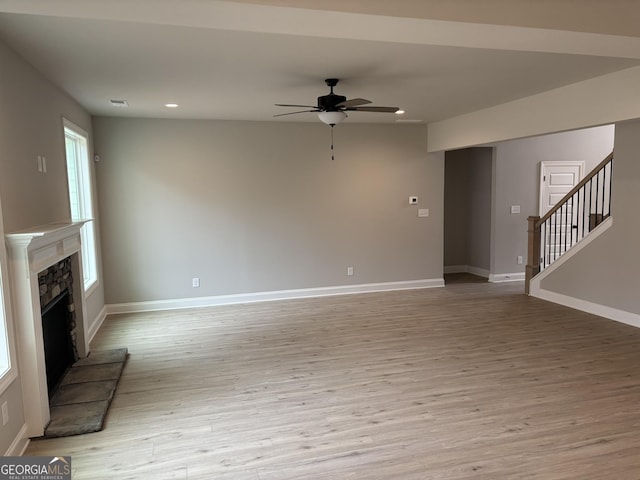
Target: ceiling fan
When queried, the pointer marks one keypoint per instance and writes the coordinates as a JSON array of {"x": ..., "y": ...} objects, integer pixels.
[{"x": 332, "y": 108}]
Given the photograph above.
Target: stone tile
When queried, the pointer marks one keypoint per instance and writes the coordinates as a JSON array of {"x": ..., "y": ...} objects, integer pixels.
[
  {"x": 84, "y": 392},
  {"x": 76, "y": 419},
  {"x": 93, "y": 373},
  {"x": 117, "y": 355}
]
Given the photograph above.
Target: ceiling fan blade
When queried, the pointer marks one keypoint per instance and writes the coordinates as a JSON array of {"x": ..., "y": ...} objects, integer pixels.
[
  {"x": 293, "y": 113},
  {"x": 299, "y": 106},
  {"x": 354, "y": 102},
  {"x": 374, "y": 109}
]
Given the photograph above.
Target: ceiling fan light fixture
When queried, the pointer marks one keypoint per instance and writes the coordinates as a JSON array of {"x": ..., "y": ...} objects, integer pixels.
[{"x": 332, "y": 118}]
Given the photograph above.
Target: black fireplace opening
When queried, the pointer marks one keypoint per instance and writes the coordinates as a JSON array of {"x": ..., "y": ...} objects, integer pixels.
[{"x": 58, "y": 345}]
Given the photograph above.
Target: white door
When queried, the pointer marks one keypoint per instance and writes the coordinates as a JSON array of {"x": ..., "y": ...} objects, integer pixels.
[{"x": 556, "y": 180}]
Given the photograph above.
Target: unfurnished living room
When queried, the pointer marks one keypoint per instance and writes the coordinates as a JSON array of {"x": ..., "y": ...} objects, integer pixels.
[{"x": 355, "y": 239}]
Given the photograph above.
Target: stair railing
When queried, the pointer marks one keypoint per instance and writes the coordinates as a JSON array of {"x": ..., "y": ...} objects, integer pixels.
[{"x": 580, "y": 211}]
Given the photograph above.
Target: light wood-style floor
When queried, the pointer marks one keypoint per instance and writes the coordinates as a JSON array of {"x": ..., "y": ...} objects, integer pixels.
[{"x": 470, "y": 381}]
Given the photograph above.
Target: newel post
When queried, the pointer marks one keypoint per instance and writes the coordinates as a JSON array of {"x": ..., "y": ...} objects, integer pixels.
[{"x": 533, "y": 252}]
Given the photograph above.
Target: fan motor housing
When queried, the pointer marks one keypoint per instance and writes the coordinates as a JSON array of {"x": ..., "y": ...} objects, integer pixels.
[{"x": 327, "y": 103}]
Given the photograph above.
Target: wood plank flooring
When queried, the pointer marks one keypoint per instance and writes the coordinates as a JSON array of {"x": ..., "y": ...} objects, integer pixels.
[{"x": 470, "y": 381}]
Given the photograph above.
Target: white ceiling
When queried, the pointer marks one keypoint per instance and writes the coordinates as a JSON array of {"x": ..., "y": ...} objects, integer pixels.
[{"x": 235, "y": 59}]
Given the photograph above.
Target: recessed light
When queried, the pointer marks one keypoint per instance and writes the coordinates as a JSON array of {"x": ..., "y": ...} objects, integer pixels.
[
  {"x": 400, "y": 112},
  {"x": 119, "y": 103},
  {"x": 171, "y": 105}
]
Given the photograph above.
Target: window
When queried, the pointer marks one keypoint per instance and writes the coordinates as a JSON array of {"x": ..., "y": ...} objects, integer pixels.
[
  {"x": 7, "y": 373},
  {"x": 81, "y": 197}
]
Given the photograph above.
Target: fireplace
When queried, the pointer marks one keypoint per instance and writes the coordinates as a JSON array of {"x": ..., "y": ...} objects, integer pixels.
[
  {"x": 58, "y": 321},
  {"x": 58, "y": 349},
  {"x": 32, "y": 252}
]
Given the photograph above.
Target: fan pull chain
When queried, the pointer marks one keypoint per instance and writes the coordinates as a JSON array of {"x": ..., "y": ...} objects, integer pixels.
[{"x": 332, "y": 157}]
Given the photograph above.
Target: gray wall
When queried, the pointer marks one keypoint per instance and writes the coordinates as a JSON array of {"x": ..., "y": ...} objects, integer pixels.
[
  {"x": 31, "y": 111},
  {"x": 606, "y": 271},
  {"x": 258, "y": 206},
  {"x": 456, "y": 201},
  {"x": 467, "y": 220},
  {"x": 517, "y": 182}
]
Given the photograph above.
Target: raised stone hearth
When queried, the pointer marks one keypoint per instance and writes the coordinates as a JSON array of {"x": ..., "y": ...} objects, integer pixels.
[{"x": 81, "y": 402}]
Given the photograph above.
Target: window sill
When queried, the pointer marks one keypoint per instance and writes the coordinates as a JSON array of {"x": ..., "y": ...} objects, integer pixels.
[
  {"x": 7, "y": 378},
  {"x": 88, "y": 290}
]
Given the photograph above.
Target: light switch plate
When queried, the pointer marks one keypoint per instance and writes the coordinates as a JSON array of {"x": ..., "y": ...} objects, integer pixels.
[{"x": 423, "y": 212}]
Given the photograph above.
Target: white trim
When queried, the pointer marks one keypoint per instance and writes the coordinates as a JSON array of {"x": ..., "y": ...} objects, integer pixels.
[
  {"x": 82, "y": 183},
  {"x": 481, "y": 272},
  {"x": 611, "y": 313},
  {"x": 97, "y": 323},
  {"x": 19, "y": 444},
  {"x": 8, "y": 377},
  {"x": 506, "y": 277},
  {"x": 455, "y": 269},
  {"x": 31, "y": 251},
  {"x": 91, "y": 288},
  {"x": 66, "y": 123},
  {"x": 270, "y": 296},
  {"x": 578, "y": 303}
]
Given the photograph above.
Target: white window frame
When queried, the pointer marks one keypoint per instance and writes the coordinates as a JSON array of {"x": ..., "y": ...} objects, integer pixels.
[
  {"x": 8, "y": 369},
  {"x": 80, "y": 180}
]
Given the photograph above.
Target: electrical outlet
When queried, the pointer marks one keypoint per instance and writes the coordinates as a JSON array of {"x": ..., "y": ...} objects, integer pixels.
[
  {"x": 5, "y": 413},
  {"x": 349, "y": 271},
  {"x": 520, "y": 259},
  {"x": 413, "y": 200},
  {"x": 195, "y": 282}
]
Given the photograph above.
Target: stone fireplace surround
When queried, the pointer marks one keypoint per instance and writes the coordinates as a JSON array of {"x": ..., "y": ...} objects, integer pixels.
[
  {"x": 58, "y": 321},
  {"x": 31, "y": 252},
  {"x": 53, "y": 281}
]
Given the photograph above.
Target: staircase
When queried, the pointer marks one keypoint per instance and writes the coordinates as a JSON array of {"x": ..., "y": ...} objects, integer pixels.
[{"x": 580, "y": 211}]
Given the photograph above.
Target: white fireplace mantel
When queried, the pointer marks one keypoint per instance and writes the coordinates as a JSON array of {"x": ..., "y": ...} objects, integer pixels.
[{"x": 30, "y": 252}]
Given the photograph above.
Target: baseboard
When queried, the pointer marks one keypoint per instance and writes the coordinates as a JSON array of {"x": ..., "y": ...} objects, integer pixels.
[
  {"x": 481, "y": 272},
  {"x": 455, "y": 269},
  {"x": 535, "y": 289},
  {"x": 19, "y": 444},
  {"x": 611, "y": 313},
  {"x": 97, "y": 323},
  {"x": 217, "y": 300},
  {"x": 506, "y": 277}
]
